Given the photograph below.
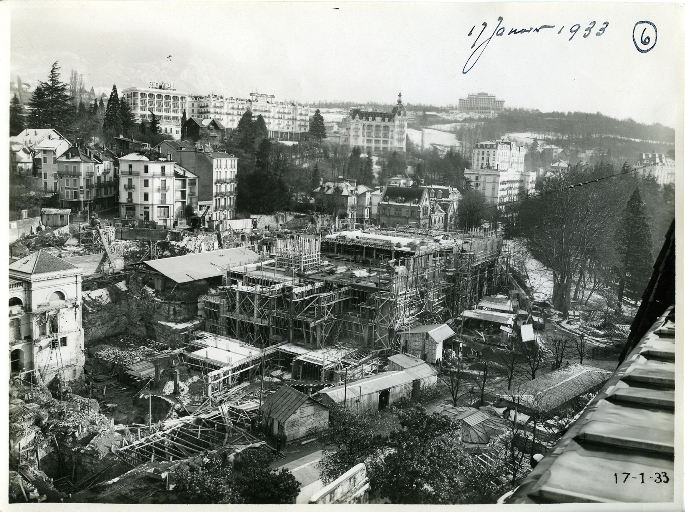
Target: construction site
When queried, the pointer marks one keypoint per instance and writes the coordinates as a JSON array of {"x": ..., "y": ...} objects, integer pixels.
[{"x": 176, "y": 371}]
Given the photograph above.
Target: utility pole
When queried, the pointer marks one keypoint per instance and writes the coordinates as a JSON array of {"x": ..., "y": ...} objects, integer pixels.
[{"x": 345, "y": 401}]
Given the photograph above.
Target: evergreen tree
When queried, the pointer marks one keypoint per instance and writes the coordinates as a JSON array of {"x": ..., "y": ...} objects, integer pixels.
[
  {"x": 419, "y": 175},
  {"x": 634, "y": 245},
  {"x": 243, "y": 134},
  {"x": 112, "y": 122},
  {"x": 51, "y": 106},
  {"x": 183, "y": 125},
  {"x": 153, "y": 128},
  {"x": 366, "y": 177},
  {"x": 316, "y": 177},
  {"x": 259, "y": 130},
  {"x": 82, "y": 114},
  {"x": 354, "y": 164},
  {"x": 16, "y": 116},
  {"x": 102, "y": 105},
  {"x": 128, "y": 120},
  {"x": 317, "y": 129}
]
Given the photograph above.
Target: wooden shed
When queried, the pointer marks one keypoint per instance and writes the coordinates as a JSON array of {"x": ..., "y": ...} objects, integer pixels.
[
  {"x": 425, "y": 341},
  {"x": 293, "y": 414},
  {"x": 377, "y": 392}
]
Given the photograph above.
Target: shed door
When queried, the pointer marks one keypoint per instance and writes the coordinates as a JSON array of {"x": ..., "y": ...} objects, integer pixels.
[
  {"x": 383, "y": 399},
  {"x": 416, "y": 389}
]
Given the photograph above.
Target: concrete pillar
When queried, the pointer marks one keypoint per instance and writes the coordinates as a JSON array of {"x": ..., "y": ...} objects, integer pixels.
[
  {"x": 158, "y": 372},
  {"x": 176, "y": 381}
]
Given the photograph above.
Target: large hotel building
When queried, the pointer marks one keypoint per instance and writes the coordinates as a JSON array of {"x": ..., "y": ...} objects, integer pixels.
[{"x": 284, "y": 120}]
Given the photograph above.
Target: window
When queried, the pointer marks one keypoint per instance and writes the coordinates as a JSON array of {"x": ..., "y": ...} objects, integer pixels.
[
  {"x": 130, "y": 197},
  {"x": 45, "y": 159},
  {"x": 73, "y": 168},
  {"x": 56, "y": 296},
  {"x": 63, "y": 341},
  {"x": 54, "y": 344},
  {"x": 146, "y": 197},
  {"x": 163, "y": 212},
  {"x": 130, "y": 168},
  {"x": 162, "y": 184},
  {"x": 75, "y": 194},
  {"x": 54, "y": 159},
  {"x": 162, "y": 197},
  {"x": 163, "y": 169},
  {"x": 45, "y": 175},
  {"x": 146, "y": 183},
  {"x": 145, "y": 168}
]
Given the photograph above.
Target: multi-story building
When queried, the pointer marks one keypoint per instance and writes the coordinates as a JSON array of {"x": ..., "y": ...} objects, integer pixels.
[
  {"x": 338, "y": 198},
  {"x": 85, "y": 181},
  {"x": 164, "y": 100},
  {"x": 185, "y": 193},
  {"x": 405, "y": 206},
  {"x": 216, "y": 178},
  {"x": 47, "y": 145},
  {"x": 660, "y": 166},
  {"x": 498, "y": 171},
  {"x": 146, "y": 189},
  {"x": 481, "y": 103},
  {"x": 447, "y": 198},
  {"x": 45, "y": 330},
  {"x": 378, "y": 132}
]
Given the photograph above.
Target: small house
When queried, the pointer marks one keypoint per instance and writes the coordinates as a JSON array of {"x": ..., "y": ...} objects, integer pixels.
[
  {"x": 293, "y": 414},
  {"x": 425, "y": 341},
  {"x": 55, "y": 217}
]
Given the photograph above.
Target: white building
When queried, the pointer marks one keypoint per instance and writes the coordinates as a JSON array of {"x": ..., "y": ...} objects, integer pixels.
[
  {"x": 376, "y": 132},
  {"x": 660, "y": 166},
  {"x": 481, "y": 103},
  {"x": 164, "y": 100},
  {"x": 498, "y": 171},
  {"x": 45, "y": 330},
  {"x": 146, "y": 189}
]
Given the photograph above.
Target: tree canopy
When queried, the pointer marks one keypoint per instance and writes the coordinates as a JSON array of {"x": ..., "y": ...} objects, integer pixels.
[
  {"x": 16, "y": 117},
  {"x": 316, "y": 126},
  {"x": 112, "y": 123},
  {"x": 51, "y": 105}
]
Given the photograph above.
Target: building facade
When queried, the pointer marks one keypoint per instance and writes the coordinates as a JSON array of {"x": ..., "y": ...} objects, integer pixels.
[
  {"x": 47, "y": 145},
  {"x": 404, "y": 206},
  {"x": 216, "y": 179},
  {"x": 164, "y": 100},
  {"x": 498, "y": 171},
  {"x": 45, "y": 330},
  {"x": 660, "y": 166},
  {"x": 85, "y": 181},
  {"x": 376, "y": 132},
  {"x": 338, "y": 198},
  {"x": 481, "y": 103},
  {"x": 146, "y": 189}
]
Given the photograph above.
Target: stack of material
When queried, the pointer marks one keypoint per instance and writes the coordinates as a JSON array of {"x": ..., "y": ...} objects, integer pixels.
[{"x": 140, "y": 371}]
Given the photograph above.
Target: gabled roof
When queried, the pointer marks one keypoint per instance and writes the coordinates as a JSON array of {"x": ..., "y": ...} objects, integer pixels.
[
  {"x": 439, "y": 332},
  {"x": 405, "y": 360},
  {"x": 406, "y": 194},
  {"x": 477, "y": 427},
  {"x": 41, "y": 262},
  {"x": 74, "y": 153},
  {"x": 340, "y": 188},
  {"x": 284, "y": 402}
]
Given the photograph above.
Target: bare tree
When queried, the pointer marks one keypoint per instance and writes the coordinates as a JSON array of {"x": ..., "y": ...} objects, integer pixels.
[
  {"x": 509, "y": 361},
  {"x": 558, "y": 346},
  {"x": 581, "y": 347},
  {"x": 534, "y": 356},
  {"x": 453, "y": 378}
]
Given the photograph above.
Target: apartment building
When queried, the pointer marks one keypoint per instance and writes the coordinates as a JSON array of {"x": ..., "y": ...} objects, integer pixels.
[
  {"x": 216, "y": 178},
  {"x": 405, "y": 206},
  {"x": 47, "y": 145},
  {"x": 338, "y": 198},
  {"x": 498, "y": 171},
  {"x": 85, "y": 181},
  {"x": 378, "y": 132},
  {"x": 146, "y": 189},
  {"x": 161, "y": 98}
]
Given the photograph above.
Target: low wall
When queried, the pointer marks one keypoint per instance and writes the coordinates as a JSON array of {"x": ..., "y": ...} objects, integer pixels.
[{"x": 23, "y": 227}]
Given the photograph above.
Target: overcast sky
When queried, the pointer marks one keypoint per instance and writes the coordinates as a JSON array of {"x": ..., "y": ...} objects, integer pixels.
[{"x": 358, "y": 52}]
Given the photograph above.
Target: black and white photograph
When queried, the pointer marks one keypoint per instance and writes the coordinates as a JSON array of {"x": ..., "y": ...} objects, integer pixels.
[{"x": 371, "y": 253}]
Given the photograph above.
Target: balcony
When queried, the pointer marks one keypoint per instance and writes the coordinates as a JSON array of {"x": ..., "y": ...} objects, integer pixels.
[
  {"x": 90, "y": 174},
  {"x": 129, "y": 199},
  {"x": 129, "y": 187},
  {"x": 161, "y": 188}
]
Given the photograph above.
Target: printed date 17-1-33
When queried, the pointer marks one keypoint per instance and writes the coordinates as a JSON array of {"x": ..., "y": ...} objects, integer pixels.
[{"x": 657, "y": 478}]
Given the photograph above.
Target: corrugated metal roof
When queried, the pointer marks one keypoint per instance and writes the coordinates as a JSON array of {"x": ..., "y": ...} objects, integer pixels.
[
  {"x": 442, "y": 333},
  {"x": 496, "y": 302},
  {"x": 284, "y": 402},
  {"x": 477, "y": 427},
  {"x": 405, "y": 360},
  {"x": 490, "y": 316},
  {"x": 627, "y": 428},
  {"x": 549, "y": 391},
  {"x": 203, "y": 265}
]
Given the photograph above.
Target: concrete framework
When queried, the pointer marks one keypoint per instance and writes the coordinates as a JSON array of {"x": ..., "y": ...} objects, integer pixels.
[{"x": 380, "y": 284}]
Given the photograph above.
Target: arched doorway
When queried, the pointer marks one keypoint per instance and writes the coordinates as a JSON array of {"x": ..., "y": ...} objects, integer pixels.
[{"x": 17, "y": 360}]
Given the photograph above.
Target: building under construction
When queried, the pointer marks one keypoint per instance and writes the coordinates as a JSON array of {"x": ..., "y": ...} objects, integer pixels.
[{"x": 357, "y": 288}]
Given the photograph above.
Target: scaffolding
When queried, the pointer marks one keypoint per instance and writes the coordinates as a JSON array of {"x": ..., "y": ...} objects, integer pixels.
[
  {"x": 422, "y": 281},
  {"x": 301, "y": 253}
]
